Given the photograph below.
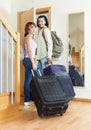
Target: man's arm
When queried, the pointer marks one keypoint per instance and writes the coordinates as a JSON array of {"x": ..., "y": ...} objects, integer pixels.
[{"x": 49, "y": 43}]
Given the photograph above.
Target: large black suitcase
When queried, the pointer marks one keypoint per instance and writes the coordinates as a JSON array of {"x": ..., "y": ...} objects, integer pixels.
[
  {"x": 76, "y": 76},
  {"x": 63, "y": 78},
  {"x": 48, "y": 96}
]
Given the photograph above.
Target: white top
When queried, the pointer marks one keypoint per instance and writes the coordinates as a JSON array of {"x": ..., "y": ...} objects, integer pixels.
[
  {"x": 33, "y": 48},
  {"x": 41, "y": 44}
]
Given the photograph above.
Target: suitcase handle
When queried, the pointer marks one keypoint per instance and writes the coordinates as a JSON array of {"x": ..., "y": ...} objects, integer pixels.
[{"x": 38, "y": 72}]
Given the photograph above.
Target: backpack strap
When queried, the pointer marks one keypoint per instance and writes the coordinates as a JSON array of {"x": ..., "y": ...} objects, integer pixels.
[{"x": 43, "y": 34}]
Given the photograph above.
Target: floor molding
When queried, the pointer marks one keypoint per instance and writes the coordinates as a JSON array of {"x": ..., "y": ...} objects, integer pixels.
[{"x": 82, "y": 99}]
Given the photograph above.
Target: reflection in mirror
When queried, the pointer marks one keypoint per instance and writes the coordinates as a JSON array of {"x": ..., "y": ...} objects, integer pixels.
[{"x": 76, "y": 48}]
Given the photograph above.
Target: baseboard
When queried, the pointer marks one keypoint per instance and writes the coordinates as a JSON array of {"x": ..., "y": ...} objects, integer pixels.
[{"x": 82, "y": 100}]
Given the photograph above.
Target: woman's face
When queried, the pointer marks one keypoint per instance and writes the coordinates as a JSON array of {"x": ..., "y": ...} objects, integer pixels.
[
  {"x": 32, "y": 29},
  {"x": 41, "y": 22}
]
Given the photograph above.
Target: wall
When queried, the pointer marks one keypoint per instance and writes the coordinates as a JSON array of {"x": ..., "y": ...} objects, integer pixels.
[
  {"x": 5, "y": 8},
  {"x": 60, "y": 11}
]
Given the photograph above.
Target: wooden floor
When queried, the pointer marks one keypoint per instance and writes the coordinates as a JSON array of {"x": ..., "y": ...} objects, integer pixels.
[{"x": 77, "y": 117}]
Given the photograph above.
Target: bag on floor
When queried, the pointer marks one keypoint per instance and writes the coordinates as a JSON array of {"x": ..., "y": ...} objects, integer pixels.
[
  {"x": 48, "y": 96},
  {"x": 76, "y": 77},
  {"x": 63, "y": 78}
]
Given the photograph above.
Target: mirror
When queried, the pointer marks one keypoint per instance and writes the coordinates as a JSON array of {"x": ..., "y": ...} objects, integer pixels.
[{"x": 76, "y": 48}]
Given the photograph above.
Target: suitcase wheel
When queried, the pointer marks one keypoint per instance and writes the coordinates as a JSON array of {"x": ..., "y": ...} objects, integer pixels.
[
  {"x": 61, "y": 114},
  {"x": 63, "y": 109},
  {"x": 41, "y": 115}
]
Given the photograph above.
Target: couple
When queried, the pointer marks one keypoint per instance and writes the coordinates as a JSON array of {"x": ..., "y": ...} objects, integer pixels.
[{"x": 36, "y": 59}]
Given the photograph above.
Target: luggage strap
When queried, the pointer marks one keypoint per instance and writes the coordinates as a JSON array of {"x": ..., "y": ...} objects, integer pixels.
[{"x": 38, "y": 72}]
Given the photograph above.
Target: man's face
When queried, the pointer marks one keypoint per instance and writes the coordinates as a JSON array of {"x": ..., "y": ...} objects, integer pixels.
[{"x": 41, "y": 22}]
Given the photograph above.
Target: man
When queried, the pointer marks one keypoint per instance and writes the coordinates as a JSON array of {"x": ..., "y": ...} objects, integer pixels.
[{"x": 44, "y": 47}]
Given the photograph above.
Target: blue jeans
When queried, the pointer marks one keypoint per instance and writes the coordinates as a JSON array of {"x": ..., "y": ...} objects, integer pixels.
[
  {"x": 42, "y": 63},
  {"x": 28, "y": 77}
]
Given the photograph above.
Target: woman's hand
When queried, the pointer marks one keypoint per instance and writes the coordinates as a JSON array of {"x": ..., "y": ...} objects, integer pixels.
[{"x": 34, "y": 66}]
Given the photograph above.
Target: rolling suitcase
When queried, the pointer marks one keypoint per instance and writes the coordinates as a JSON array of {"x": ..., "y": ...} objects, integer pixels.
[
  {"x": 63, "y": 78},
  {"x": 76, "y": 77},
  {"x": 48, "y": 96}
]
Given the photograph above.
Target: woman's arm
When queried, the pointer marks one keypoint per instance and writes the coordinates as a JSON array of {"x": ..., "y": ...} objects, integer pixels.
[{"x": 28, "y": 41}]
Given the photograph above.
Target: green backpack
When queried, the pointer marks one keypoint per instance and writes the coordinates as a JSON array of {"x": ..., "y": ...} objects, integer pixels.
[{"x": 57, "y": 44}]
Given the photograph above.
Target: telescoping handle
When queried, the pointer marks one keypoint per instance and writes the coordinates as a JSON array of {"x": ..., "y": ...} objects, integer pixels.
[{"x": 39, "y": 73}]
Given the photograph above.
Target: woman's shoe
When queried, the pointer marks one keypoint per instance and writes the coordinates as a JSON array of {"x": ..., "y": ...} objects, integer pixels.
[{"x": 27, "y": 103}]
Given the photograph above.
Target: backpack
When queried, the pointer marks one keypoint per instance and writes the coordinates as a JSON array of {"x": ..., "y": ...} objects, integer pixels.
[{"x": 57, "y": 44}]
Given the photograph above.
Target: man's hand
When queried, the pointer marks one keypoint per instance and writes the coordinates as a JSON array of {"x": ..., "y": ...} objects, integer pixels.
[{"x": 49, "y": 61}]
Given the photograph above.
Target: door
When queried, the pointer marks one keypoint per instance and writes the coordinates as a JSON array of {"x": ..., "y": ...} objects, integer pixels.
[{"x": 23, "y": 18}]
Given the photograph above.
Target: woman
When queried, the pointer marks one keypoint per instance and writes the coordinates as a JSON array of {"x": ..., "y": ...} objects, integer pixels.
[
  {"x": 29, "y": 60},
  {"x": 44, "y": 52}
]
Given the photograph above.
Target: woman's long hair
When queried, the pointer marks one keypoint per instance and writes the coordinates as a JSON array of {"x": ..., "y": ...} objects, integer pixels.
[
  {"x": 27, "y": 27},
  {"x": 45, "y": 18}
]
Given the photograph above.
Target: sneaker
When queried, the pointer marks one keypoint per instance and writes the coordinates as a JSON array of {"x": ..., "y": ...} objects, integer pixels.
[{"x": 27, "y": 103}]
